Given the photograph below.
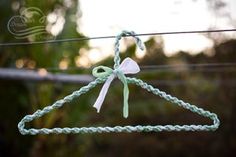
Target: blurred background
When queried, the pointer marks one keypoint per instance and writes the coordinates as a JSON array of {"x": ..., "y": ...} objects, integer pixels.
[{"x": 197, "y": 68}]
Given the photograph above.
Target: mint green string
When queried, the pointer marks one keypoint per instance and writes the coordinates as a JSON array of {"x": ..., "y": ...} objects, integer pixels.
[
  {"x": 102, "y": 77},
  {"x": 122, "y": 77}
]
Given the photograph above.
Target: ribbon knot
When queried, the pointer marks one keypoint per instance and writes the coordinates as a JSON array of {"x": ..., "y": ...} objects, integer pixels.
[
  {"x": 116, "y": 72},
  {"x": 128, "y": 66}
]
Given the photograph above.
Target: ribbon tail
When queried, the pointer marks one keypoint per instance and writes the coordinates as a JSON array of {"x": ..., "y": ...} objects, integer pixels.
[
  {"x": 103, "y": 93},
  {"x": 126, "y": 95}
]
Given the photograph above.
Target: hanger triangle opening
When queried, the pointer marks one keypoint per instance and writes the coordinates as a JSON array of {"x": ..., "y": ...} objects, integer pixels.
[{"x": 137, "y": 128}]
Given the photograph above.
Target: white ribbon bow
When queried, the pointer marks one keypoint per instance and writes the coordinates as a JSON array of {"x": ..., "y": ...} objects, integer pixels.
[{"x": 128, "y": 66}]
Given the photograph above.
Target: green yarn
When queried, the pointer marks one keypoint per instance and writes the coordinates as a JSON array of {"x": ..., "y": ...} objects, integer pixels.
[
  {"x": 106, "y": 71},
  {"x": 122, "y": 77},
  {"x": 101, "y": 78}
]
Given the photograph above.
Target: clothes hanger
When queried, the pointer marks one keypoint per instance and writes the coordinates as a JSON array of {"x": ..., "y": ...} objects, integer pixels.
[{"x": 128, "y": 66}]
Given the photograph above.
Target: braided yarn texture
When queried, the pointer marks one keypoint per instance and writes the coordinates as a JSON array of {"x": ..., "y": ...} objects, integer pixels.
[{"x": 128, "y": 129}]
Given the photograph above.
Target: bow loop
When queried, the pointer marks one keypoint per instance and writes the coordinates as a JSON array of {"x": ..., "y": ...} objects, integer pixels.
[
  {"x": 102, "y": 71},
  {"x": 129, "y": 66}
]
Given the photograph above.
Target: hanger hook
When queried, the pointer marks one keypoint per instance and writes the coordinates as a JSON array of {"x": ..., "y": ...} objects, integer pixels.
[{"x": 117, "y": 45}]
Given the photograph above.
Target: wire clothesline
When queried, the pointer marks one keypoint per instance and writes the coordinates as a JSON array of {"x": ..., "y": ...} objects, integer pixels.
[
  {"x": 113, "y": 36},
  {"x": 189, "y": 67},
  {"x": 36, "y": 76}
]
